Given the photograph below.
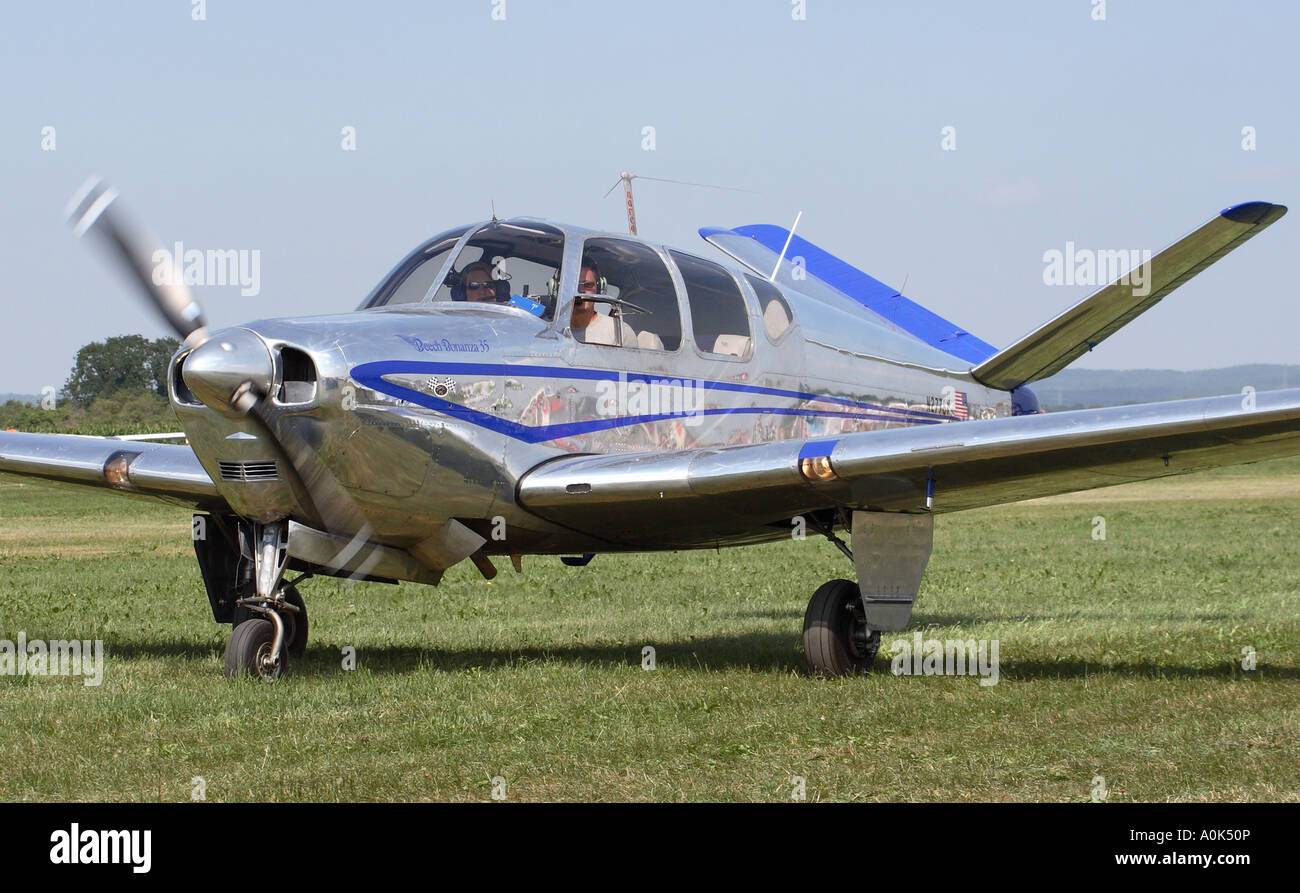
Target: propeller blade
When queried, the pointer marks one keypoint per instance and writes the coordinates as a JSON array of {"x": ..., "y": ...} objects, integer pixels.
[
  {"x": 94, "y": 208},
  {"x": 322, "y": 494},
  {"x": 327, "y": 498}
]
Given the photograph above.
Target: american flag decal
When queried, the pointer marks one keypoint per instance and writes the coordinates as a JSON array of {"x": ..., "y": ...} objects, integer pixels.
[{"x": 959, "y": 407}]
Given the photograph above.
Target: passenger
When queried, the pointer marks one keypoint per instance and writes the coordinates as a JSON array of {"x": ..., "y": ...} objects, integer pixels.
[
  {"x": 588, "y": 284},
  {"x": 587, "y": 325}
]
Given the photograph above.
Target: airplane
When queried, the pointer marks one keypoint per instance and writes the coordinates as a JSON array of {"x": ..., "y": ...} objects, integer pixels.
[{"x": 523, "y": 387}]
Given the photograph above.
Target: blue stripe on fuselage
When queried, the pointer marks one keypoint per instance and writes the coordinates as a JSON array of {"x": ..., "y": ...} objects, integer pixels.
[{"x": 371, "y": 375}]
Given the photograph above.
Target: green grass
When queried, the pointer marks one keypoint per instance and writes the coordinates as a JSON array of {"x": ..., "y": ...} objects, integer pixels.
[{"x": 1118, "y": 658}]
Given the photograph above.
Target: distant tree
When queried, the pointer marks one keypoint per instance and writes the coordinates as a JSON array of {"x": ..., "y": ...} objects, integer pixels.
[
  {"x": 121, "y": 412},
  {"x": 130, "y": 363},
  {"x": 128, "y": 410}
]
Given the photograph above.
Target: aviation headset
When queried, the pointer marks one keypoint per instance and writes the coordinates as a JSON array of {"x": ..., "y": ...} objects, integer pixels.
[
  {"x": 501, "y": 287},
  {"x": 602, "y": 287}
]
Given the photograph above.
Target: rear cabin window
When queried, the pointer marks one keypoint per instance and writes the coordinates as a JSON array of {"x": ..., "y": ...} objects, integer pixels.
[
  {"x": 718, "y": 312},
  {"x": 776, "y": 312}
]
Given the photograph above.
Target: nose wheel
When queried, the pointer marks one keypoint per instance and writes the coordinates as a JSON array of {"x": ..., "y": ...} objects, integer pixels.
[
  {"x": 262, "y": 645},
  {"x": 251, "y": 651},
  {"x": 836, "y": 638}
]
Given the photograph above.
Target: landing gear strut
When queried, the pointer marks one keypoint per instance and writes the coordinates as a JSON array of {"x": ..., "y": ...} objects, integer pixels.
[{"x": 261, "y": 645}]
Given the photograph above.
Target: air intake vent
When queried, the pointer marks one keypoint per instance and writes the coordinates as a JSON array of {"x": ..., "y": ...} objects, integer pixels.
[
  {"x": 179, "y": 387},
  {"x": 252, "y": 472},
  {"x": 299, "y": 383}
]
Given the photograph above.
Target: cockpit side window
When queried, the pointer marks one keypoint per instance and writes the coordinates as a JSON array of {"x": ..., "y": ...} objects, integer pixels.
[
  {"x": 516, "y": 264},
  {"x": 634, "y": 303},
  {"x": 719, "y": 316},
  {"x": 776, "y": 311},
  {"x": 414, "y": 277}
]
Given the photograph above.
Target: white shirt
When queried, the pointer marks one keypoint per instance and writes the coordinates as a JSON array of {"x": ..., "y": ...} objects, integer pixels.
[{"x": 601, "y": 331}]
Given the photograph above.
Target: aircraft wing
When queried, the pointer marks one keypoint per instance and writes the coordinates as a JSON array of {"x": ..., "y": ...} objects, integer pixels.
[
  {"x": 683, "y": 498},
  {"x": 163, "y": 472},
  {"x": 1054, "y": 345}
]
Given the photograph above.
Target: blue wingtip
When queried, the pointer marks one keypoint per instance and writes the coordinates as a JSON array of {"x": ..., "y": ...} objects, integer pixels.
[{"x": 1254, "y": 213}]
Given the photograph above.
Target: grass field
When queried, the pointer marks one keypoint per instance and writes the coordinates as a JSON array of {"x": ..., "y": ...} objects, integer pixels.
[{"x": 1119, "y": 658}]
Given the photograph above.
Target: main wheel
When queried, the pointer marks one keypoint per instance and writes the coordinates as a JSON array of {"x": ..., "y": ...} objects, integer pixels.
[
  {"x": 836, "y": 640},
  {"x": 295, "y": 632},
  {"x": 249, "y": 649}
]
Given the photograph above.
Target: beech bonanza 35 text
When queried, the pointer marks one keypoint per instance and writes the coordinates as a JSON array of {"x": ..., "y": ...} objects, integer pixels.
[{"x": 522, "y": 387}]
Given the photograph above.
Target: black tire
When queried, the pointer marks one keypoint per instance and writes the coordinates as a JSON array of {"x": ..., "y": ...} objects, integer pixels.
[
  {"x": 249, "y": 642},
  {"x": 295, "y": 624},
  {"x": 836, "y": 640}
]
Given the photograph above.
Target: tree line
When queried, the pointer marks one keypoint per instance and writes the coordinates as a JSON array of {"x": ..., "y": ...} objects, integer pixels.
[{"x": 117, "y": 386}]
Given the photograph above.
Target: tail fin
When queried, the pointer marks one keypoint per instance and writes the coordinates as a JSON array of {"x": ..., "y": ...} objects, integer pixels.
[{"x": 1056, "y": 344}]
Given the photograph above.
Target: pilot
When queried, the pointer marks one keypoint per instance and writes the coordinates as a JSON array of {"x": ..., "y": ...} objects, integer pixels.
[
  {"x": 587, "y": 325},
  {"x": 478, "y": 283}
]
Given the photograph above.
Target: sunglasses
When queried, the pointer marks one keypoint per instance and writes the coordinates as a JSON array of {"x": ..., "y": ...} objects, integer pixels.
[
  {"x": 592, "y": 286},
  {"x": 475, "y": 286}
]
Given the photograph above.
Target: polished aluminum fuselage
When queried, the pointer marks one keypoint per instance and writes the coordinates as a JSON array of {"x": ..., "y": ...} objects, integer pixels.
[{"x": 435, "y": 411}]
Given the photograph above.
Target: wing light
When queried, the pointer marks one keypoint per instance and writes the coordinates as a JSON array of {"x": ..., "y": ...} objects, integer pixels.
[
  {"x": 815, "y": 461},
  {"x": 817, "y": 468},
  {"x": 117, "y": 470}
]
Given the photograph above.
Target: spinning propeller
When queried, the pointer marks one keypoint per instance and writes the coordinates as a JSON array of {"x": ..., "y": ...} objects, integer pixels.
[{"x": 230, "y": 371}]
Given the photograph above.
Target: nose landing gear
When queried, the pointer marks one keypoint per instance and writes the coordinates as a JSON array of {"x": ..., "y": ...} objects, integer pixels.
[{"x": 261, "y": 645}]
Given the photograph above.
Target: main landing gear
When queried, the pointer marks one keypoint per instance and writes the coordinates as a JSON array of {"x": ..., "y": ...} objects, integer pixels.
[
  {"x": 836, "y": 639},
  {"x": 273, "y": 627},
  {"x": 842, "y": 626}
]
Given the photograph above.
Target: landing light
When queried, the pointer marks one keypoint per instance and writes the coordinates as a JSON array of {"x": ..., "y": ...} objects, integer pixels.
[
  {"x": 117, "y": 470},
  {"x": 817, "y": 468}
]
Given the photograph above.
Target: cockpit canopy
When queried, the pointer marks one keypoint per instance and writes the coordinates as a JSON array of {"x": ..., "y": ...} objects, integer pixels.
[{"x": 620, "y": 292}]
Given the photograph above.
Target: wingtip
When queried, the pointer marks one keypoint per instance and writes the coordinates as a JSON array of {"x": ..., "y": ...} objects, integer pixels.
[{"x": 1254, "y": 213}]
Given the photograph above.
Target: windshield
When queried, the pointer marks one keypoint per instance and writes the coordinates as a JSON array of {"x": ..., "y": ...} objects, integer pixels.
[
  {"x": 515, "y": 263},
  {"x": 414, "y": 276}
]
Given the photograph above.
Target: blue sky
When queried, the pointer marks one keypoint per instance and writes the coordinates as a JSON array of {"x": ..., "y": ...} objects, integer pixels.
[{"x": 225, "y": 133}]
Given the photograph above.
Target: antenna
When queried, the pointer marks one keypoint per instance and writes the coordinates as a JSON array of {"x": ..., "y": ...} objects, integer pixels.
[
  {"x": 785, "y": 247},
  {"x": 626, "y": 179},
  {"x": 494, "y": 209},
  {"x": 898, "y": 294}
]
